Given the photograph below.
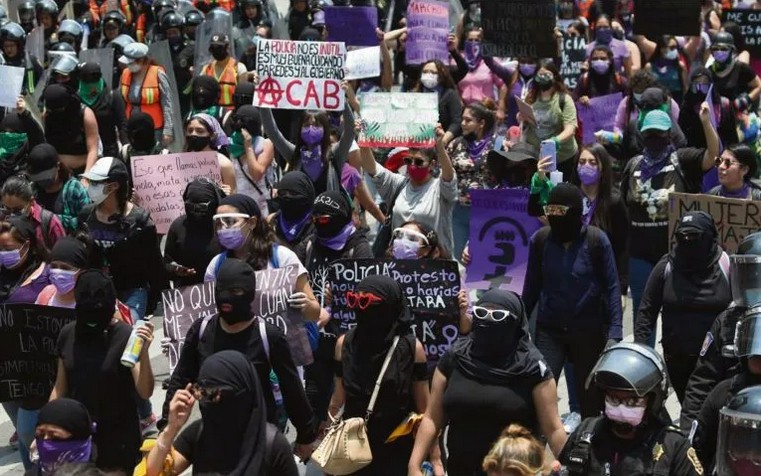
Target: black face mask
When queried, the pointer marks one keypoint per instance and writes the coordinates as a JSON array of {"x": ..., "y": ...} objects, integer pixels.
[
  {"x": 655, "y": 144},
  {"x": 218, "y": 52},
  {"x": 543, "y": 83},
  {"x": 566, "y": 228},
  {"x": 294, "y": 208},
  {"x": 233, "y": 308},
  {"x": 201, "y": 100},
  {"x": 493, "y": 340},
  {"x": 197, "y": 143},
  {"x": 330, "y": 228}
]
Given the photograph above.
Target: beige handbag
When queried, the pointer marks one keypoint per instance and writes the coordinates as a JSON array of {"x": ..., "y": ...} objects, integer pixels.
[{"x": 346, "y": 449}]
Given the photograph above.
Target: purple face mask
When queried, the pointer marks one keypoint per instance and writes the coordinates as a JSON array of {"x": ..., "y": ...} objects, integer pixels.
[
  {"x": 405, "y": 249},
  {"x": 622, "y": 414},
  {"x": 9, "y": 259},
  {"x": 721, "y": 56},
  {"x": 338, "y": 242},
  {"x": 55, "y": 453},
  {"x": 527, "y": 69},
  {"x": 701, "y": 88},
  {"x": 312, "y": 135},
  {"x": 600, "y": 66},
  {"x": 64, "y": 280},
  {"x": 588, "y": 174},
  {"x": 231, "y": 238}
]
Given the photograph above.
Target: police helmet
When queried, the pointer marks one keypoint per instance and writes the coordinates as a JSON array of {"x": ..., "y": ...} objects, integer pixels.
[
  {"x": 724, "y": 38},
  {"x": 70, "y": 28},
  {"x": 159, "y": 5},
  {"x": 47, "y": 6},
  {"x": 13, "y": 32},
  {"x": 3, "y": 12},
  {"x": 115, "y": 16},
  {"x": 193, "y": 18},
  {"x": 745, "y": 270},
  {"x": 172, "y": 20},
  {"x": 65, "y": 64},
  {"x": 120, "y": 42},
  {"x": 738, "y": 449}
]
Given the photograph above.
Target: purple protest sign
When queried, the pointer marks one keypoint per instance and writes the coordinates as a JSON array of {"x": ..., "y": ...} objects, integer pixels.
[
  {"x": 355, "y": 26},
  {"x": 427, "y": 31},
  {"x": 711, "y": 178},
  {"x": 599, "y": 115},
  {"x": 500, "y": 229}
]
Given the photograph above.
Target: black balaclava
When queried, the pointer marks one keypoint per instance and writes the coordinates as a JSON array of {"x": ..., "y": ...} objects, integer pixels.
[
  {"x": 244, "y": 94},
  {"x": 96, "y": 300},
  {"x": 60, "y": 102},
  {"x": 566, "y": 228},
  {"x": 232, "y": 440},
  {"x": 697, "y": 243},
  {"x": 141, "y": 132},
  {"x": 201, "y": 190},
  {"x": 235, "y": 276},
  {"x": 71, "y": 251},
  {"x": 494, "y": 342},
  {"x": 205, "y": 92},
  {"x": 12, "y": 123},
  {"x": 300, "y": 198},
  {"x": 380, "y": 322},
  {"x": 338, "y": 210},
  {"x": 71, "y": 415},
  {"x": 248, "y": 117}
]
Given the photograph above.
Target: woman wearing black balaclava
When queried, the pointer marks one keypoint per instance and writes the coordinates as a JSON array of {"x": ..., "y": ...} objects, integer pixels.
[
  {"x": 243, "y": 96},
  {"x": 335, "y": 237},
  {"x": 232, "y": 436},
  {"x": 295, "y": 199},
  {"x": 19, "y": 133},
  {"x": 490, "y": 379},
  {"x": 70, "y": 127},
  {"x": 90, "y": 371},
  {"x": 382, "y": 316},
  {"x": 203, "y": 97},
  {"x": 64, "y": 434},
  {"x": 191, "y": 242},
  {"x": 689, "y": 286},
  {"x": 142, "y": 139}
]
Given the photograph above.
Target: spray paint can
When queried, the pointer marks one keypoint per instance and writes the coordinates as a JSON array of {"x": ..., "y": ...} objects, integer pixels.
[
  {"x": 427, "y": 468},
  {"x": 134, "y": 347}
]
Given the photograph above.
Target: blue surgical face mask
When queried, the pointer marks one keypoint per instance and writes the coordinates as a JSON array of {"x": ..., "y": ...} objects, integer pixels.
[
  {"x": 64, "y": 280},
  {"x": 671, "y": 55},
  {"x": 405, "y": 249}
]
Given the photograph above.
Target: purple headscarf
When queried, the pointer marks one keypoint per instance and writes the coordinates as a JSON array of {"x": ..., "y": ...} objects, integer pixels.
[{"x": 220, "y": 138}]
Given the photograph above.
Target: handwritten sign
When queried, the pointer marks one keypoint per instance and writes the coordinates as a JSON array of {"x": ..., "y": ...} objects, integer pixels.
[
  {"x": 12, "y": 79},
  {"x": 573, "y": 53},
  {"x": 427, "y": 31},
  {"x": 514, "y": 28},
  {"x": 750, "y": 28},
  {"x": 183, "y": 306},
  {"x": 735, "y": 219},
  {"x": 354, "y": 26},
  {"x": 599, "y": 115},
  {"x": 430, "y": 286},
  {"x": 159, "y": 181},
  {"x": 500, "y": 230},
  {"x": 363, "y": 63},
  {"x": 300, "y": 75},
  {"x": 28, "y": 349},
  {"x": 654, "y": 18},
  {"x": 399, "y": 119}
]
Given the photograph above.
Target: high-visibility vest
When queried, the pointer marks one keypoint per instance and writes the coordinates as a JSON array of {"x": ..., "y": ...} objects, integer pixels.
[
  {"x": 150, "y": 96},
  {"x": 227, "y": 80},
  {"x": 584, "y": 6},
  {"x": 123, "y": 8},
  {"x": 140, "y": 28}
]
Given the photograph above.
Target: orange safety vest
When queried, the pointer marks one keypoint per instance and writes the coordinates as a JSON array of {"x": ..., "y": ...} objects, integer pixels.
[
  {"x": 150, "y": 95},
  {"x": 227, "y": 80},
  {"x": 228, "y": 5},
  {"x": 140, "y": 28},
  {"x": 584, "y": 6}
]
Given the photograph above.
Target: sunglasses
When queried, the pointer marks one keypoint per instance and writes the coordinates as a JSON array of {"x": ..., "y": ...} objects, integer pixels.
[
  {"x": 411, "y": 235},
  {"x": 206, "y": 394},
  {"x": 627, "y": 402},
  {"x": 360, "y": 300},
  {"x": 496, "y": 315},
  {"x": 321, "y": 220},
  {"x": 555, "y": 210},
  {"x": 719, "y": 161},
  {"x": 418, "y": 162}
]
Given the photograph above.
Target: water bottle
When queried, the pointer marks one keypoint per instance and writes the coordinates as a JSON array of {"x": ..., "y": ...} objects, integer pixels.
[
  {"x": 427, "y": 468},
  {"x": 134, "y": 346}
]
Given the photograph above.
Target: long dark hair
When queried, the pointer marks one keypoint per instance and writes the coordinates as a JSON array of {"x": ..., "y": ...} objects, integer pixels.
[
  {"x": 557, "y": 83},
  {"x": 483, "y": 113},
  {"x": 432, "y": 237},
  {"x": 37, "y": 252},
  {"x": 261, "y": 246},
  {"x": 609, "y": 77},
  {"x": 445, "y": 78},
  {"x": 312, "y": 118},
  {"x": 605, "y": 189}
]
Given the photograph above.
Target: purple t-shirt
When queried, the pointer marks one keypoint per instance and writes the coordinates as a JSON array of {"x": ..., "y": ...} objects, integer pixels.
[
  {"x": 350, "y": 178},
  {"x": 619, "y": 49},
  {"x": 28, "y": 293}
]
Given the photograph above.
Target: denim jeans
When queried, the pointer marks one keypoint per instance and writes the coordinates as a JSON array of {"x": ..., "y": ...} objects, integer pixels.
[
  {"x": 460, "y": 229},
  {"x": 570, "y": 382},
  {"x": 639, "y": 272},
  {"x": 26, "y": 424},
  {"x": 137, "y": 301}
]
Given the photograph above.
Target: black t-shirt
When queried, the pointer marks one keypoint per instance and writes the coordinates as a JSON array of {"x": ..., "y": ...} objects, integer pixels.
[
  {"x": 648, "y": 202},
  {"x": 478, "y": 412},
  {"x": 278, "y": 460},
  {"x": 191, "y": 247},
  {"x": 50, "y": 201},
  {"x": 736, "y": 82}
]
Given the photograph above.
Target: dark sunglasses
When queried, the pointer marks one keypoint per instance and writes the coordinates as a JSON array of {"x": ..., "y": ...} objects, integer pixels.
[
  {"x": 360, "y": 300},
  {"x": 206, "y": 394},
  {"x": 418, "y": 162},
  {"x": 719, "y": 161}
]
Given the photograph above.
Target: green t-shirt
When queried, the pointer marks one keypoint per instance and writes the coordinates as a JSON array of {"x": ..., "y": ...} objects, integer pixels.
[{"x": 550, "y": 121}]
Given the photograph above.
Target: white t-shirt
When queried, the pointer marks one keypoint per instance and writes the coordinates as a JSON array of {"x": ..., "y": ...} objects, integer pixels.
[{"x": 285, "y": 257}]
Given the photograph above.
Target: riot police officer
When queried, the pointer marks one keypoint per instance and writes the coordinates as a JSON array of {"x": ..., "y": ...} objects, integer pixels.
[
  {"x": 26, "y": 16},
  {"x": 181, "y": 50},
  {"x": 717, "y": 360},
  {"x": 634, "y": 435},
  {"x": 748, "y": 350},
  {"x": 738, "y": 452},
  {"x": 193, "y": 18},
  {"x": 252, "y": 14},
  {"x": 111, "y": 26},
  {"x": 13, "y": 39},
  {"x": 47, "y": 17},
  {"x": 71, "y": 32}
]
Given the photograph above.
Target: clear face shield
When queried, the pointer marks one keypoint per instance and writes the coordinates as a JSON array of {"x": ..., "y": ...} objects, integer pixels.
[
  {"x": 738, "y": 452},
  {"x": 745, "y": 277}
]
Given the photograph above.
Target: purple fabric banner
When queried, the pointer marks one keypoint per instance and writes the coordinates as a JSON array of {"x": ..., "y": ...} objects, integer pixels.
[
  {"x": 427, "y": 31},
  {"x": 500, "y": 229},
  {"x": 599, "y": 115},
  {"x": 355, "y": 26}
]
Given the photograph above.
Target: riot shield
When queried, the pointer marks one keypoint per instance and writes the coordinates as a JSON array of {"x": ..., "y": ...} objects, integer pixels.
[
  {"x": 35, "y": 43},
  {"x": 40, "y": 87},
  {"x": 279, "y": 24},
  {"x": 13, "y": 9},
  {"x": 184, "y": 6},
  {"x": 217, "y": 22},
  {"x": 159, "y": 52},
  {"x": 33, "y": 109},
  {"x": 455, "y": 12},
  {"x": 105, "y": 58}
]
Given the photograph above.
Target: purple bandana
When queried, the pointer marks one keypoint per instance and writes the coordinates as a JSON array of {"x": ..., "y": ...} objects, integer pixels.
[
  {"x": 291, "y": 230},
  {"x": 337, "y": 242},
  {"x": 311, "y": 162},
  {"x": 742, "y": 193},
  {"x": 54, "y": 453},
  {"x": 476, "y": 148},
  {"x": 650, "y": 167},
  {"x": 589, "y": 210}
]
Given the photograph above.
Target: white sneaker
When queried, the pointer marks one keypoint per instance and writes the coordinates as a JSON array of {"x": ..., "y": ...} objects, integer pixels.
[{"x": 571, "y": 422}]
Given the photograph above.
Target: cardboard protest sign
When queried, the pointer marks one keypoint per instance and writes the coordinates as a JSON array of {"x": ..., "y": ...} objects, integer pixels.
[
  {"x": 28, "y": 349},
  {"x": 354, "y": 26},
  {"x": 159, "y": 181},
  {"x": 363, "y": 63},
  {"x": 500, "y": 230},
  {"x": 750, "y": 28},
  {"x": 734, "y": 218},
  {"x": 399, "y": 119},
  {"x": 300, "y": 75},
  {"x": 654, "y": 18},
  {"x": 183, "y": 306},
  {"x": 600, "y": 114},
  {"x": 427, "y": 31},
  {"x": 515, "y": 28},
  {"x": 430, "y": 286},
  {"x": 573, "y": 53},
  {"x": 527, "y": 112},
  {"x": 12, "y": 79}
]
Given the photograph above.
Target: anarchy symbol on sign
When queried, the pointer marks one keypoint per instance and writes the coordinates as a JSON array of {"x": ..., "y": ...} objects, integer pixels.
[{"x": 269, "y": 92}]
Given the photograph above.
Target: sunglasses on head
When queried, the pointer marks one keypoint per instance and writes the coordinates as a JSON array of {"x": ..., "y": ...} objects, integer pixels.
[
  {"x": 361, "y": 300},
  {"x": 555, "y": 210},
  {"x": 496, "y": 315},
  {"x": 417, "y": 161}
]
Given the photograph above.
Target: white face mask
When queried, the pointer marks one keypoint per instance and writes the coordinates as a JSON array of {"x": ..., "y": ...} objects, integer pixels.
[
  {"x": 134, "y": 68},
  {"x": 429, "y": 80},
  {"x": 97, "y": 193}
]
